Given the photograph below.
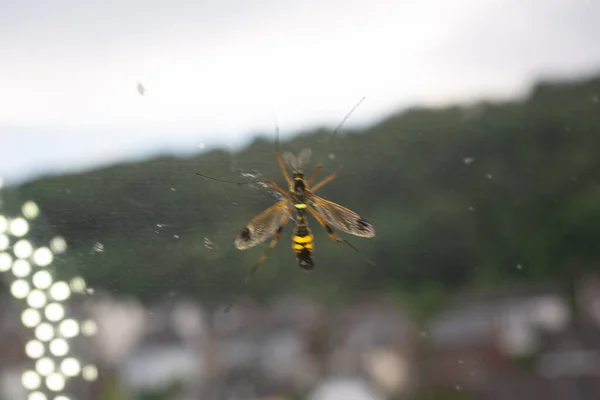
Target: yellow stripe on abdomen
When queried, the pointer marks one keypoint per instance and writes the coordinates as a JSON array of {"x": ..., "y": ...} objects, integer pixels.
[
  {"x": 303, "y": 239},
  {"x": 303, "y": 243}
]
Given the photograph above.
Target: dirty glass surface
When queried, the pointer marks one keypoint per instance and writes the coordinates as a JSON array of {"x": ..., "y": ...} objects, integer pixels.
[{"x": 457, "y": 261}]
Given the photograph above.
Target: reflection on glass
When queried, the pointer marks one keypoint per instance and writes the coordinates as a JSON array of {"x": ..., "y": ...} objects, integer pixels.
[
  {"x": 31, "y": 317},
  {"x": 60, "y": 291},
  {"x": 19, "y": 227},
  {"x": 34, "y": 349},
  {"x": 23, "y": 249},
  {"x": 31, "y": 380},
  {"x": 21, "y": 268},
  {"x": 44, "y": 366},
  {"x": 19, "y": 289},
  {"x": 30, "y": 210}
]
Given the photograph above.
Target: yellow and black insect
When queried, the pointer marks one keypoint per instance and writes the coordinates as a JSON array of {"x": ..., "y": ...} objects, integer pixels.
[{"x": 301, "y": 198}]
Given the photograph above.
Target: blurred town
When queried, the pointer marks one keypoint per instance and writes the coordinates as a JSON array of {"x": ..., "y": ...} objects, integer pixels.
[{"x": 519, "y": 343}]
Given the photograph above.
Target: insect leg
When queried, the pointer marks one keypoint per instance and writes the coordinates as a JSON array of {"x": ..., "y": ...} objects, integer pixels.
[
  {"x": 332, "y": 234},
  {"x": 276, "y": 236},
  {"x": 279, "y": 158},
  {"x": 282, "y": 166},
  {"x": 324, "y": 182},
  {"x": 314, "y": 174}
]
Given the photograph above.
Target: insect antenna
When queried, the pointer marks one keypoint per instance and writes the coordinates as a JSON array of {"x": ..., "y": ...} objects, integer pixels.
[
  {"x": 346, "y": 117},
  {"x": 339, "y": 127},
  {"x": 368, "y": 260}
]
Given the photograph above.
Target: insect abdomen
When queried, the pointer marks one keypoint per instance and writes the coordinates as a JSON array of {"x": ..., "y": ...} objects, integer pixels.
[{"x": 303, "y": 247}]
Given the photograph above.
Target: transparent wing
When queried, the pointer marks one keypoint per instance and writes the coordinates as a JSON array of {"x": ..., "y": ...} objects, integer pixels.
[
  {"x": 262, "y": 226},
  {"x": 297, "y": 163},
  {"x": 290, "y": 159},
  {"x": 342, "y": 218},
  {"x": 302, "y": 159}
]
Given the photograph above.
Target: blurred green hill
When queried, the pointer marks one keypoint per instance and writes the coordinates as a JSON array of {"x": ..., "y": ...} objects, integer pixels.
[{"x": 465, "y": 196}]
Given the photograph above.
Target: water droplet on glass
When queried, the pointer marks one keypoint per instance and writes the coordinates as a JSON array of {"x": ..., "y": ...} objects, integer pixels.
[{"x": 248, "y": 175}]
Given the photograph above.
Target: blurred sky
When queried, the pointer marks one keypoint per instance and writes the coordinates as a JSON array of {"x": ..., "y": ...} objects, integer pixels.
[{"x": 216, "y": 71}]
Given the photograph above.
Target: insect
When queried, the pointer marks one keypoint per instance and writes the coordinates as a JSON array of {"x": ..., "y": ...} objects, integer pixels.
[{"x": 301, "y": 199}]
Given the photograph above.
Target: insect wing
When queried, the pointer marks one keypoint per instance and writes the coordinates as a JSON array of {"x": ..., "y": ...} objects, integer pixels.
[
  {"x": 262, "y": 226},
  {"x": 302, "y": 159},
  {"x": 342, "y": 218},
  {"x": 297, "y": 163}
]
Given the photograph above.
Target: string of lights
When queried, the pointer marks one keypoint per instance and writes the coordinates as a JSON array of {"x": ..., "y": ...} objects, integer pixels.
[{"x": 46, "y": 305}]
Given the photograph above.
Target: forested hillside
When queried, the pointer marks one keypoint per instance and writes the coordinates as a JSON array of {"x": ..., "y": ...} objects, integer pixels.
[{"x": 476, "y": 195}]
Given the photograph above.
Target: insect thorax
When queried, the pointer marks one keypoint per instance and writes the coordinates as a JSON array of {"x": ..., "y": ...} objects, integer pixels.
[{"x": 299, "y": 184}]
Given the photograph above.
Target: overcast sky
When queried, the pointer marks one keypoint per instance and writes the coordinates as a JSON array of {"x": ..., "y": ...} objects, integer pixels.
[{"x": 217, "y": 71}]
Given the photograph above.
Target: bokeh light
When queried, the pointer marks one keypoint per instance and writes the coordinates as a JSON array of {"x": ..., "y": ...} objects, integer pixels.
[
  {"x": 23, "y": 249},
  {"x": 21, "y": 268},
  {"x": 31, "y": 317},
  {"x": 58, "y": 244},
  {"x": 54, "y": 312},
  {"x": 70, "y": 367},
  {"x": 20, "y": 289},
  {"x": 37, "y": 396},
  {"x": 43, "y": 256},
  {"x": 90, "y": 373},
  {"x": 44, "y": 332},
  {"x": 78, "y": 284},
  {"x": 59, "y": 347},
  {"x": 42, "y": 279},
  {"x": 4, "y": 242},
  {"x": 45, "y": 366},
  {"x": 69, "y": 328},
  {"x": 34, "y": 349},
  {"x": 60, "y": 291},
  {"x": 31, "y": 380},
  {"x": 5, "y": 262},
  {"x": 89, "y": 328},
  {"x": 30, "y": 210},
  {"x": 55, "y": 382},
  {"x": 36, "y": 298},
  {"x": 18, "y": 227},
  {"x": 38, "y": 289}
]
